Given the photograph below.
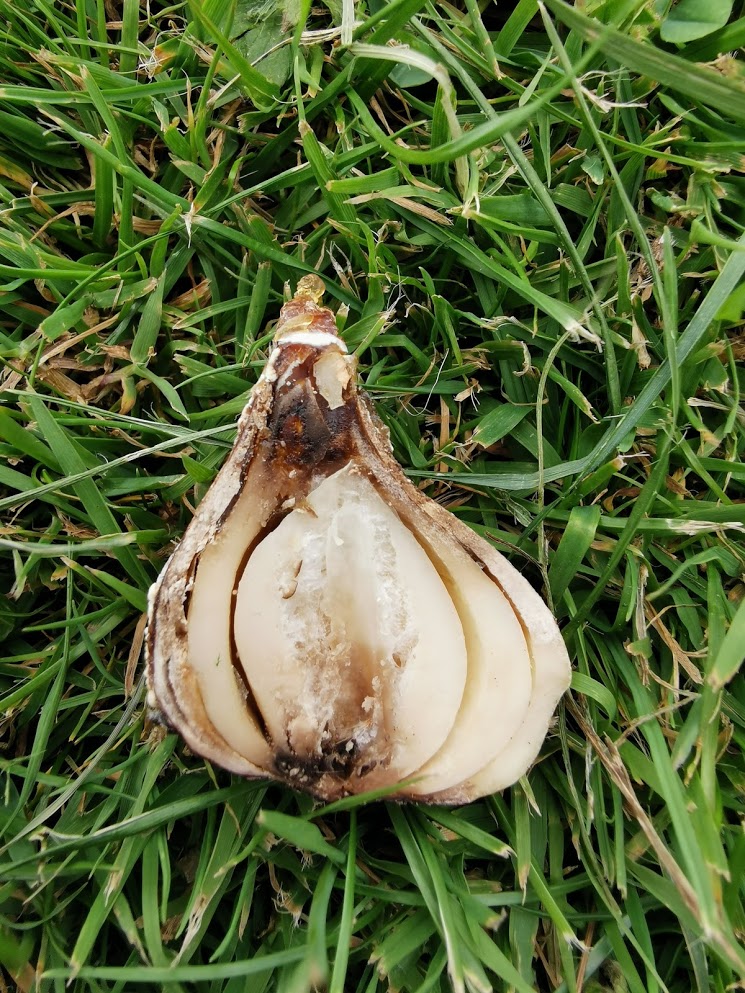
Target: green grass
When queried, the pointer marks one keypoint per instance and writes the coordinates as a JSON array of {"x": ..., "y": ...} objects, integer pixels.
[{"x": 532, "y": 225}]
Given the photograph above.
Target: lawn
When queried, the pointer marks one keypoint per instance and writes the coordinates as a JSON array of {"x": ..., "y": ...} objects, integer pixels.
[{"x": 531, "y": 224}]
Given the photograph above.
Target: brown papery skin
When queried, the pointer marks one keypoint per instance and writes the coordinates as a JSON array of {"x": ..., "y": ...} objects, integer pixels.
[{"x": 290, "y": 439}]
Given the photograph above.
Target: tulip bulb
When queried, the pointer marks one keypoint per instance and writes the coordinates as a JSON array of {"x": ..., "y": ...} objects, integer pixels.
[{"x": 325, "y": 624}]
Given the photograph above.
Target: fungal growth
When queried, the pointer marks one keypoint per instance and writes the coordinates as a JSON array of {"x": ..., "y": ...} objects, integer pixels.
[{"x": 325, "y": 624}]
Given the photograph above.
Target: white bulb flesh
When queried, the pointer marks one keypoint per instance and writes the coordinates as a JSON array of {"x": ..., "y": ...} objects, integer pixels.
[
  {"x": 550, "y": 677},
  {"x": 209, "y": 647},
  {"x": 348, "y": 634},
  {"x": 499, "y": 669}
]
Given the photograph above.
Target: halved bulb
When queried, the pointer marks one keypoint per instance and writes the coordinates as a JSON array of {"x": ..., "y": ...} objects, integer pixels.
[{"x": 325, "y": 624}]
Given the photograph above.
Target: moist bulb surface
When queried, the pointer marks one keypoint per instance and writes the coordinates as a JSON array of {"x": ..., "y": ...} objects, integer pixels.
[{"x": 343, "y": 627}]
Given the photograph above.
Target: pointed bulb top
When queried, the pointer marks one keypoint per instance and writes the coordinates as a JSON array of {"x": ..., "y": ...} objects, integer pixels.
[
  {"x": 304, "y": 314},
  {"x": 311, "y": 286}
]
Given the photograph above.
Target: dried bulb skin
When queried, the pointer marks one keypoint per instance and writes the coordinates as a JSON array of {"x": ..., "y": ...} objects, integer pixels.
[{"x": 325, "y": 624}]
